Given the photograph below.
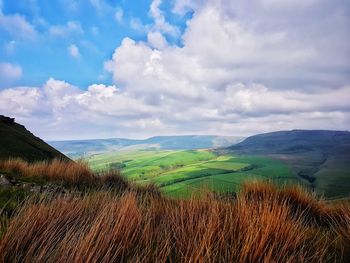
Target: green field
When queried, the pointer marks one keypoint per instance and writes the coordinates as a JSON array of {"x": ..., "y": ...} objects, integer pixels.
[{"x": 181, "y": 173}]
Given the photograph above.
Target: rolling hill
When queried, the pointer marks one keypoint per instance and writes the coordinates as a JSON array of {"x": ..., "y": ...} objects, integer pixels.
[
  {"x": 17, "y": 141},
  {"x": 319, "y": 157},
  {"x": 80, "y": 148}
]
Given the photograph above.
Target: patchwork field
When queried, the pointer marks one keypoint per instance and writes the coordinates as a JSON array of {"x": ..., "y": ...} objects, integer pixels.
[{"x": 181, "y": 173}]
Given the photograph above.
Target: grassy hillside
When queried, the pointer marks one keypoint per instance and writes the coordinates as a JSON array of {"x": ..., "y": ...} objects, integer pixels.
[
  {"x": 263, "y": 223},
  {"x": 294, "y": 141},
  {"x": 319, "y": 158},
  {"x": 83, "y": 148},
  {"x": 183, "y": 173},
  {"x": 17, "y": 141},
  {"x": 20, "y": 179}
]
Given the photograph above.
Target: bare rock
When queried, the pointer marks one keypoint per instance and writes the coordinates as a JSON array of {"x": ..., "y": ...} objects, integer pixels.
[
  {"x": 6, "y": 120},
  {"x": 36, "y": 189},
  {"x": 4, "y": 181}
]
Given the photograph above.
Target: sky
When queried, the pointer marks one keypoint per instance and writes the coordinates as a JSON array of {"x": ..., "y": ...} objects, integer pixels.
[{"x": 80, "y": 69}]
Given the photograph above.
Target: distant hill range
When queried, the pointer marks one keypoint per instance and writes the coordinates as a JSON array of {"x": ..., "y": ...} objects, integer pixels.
[
  {"x": 319, "y": 157},
  {"x": 17, "y": 141},
  {"x": 294, "y": 141},
  {"x": 79, "y": 148}
]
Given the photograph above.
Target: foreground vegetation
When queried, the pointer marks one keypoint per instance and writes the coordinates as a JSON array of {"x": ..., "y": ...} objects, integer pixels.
[
  {"x": 121, "y": 222},
  {"x": 20, "y": 180},
  {"x": 69, "y": 173},
  {"x": 262, "y": 225}
]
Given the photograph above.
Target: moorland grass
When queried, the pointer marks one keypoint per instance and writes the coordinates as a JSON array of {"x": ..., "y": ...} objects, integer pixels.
[
  {"x": 263, "y": 223},
  {"x": 68, "y": 173}
]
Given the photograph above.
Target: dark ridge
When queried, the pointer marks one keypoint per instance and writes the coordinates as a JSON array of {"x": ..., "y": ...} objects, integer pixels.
[
  {"x": 17, "y": 142},
  {"x": 294, "y": 141}
]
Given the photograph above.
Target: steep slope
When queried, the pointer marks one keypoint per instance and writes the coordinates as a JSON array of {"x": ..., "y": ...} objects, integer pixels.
[
  {"x": 17, "y": 141},
  {"x": 319, "y": 157}
]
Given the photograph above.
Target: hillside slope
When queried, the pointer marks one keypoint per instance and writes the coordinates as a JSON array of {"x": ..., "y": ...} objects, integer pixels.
[
  {"x": 17, "y": 141},
  {"x": 79, "y": 148},
  {"x": 319, "y": 157},
  {"x": 295, "y": 141}
]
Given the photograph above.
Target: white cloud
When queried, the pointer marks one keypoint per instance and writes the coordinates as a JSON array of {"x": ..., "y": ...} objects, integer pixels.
[
  {"x": 287, "y": 3},
  {"x": 240, "y": 70},
  {"x": 17, "y": 26},
  {"x": 72, "y": 27},
  {"x": 118, "y": 15},
  {"x": 74, "y": 51},
  {"x": 21, "y": 101},
  {"x": 136, "y": 24},
  {"x": 160, "y": 24},
  {"x": 65, "y": 110},
  {"x": 156, "y": 40},
  {"x": 258, "y": 99},
  {"x": 108, "y": 111},
  {"x": 10, "y": 71},
  {"x": 231, "y": 75}
]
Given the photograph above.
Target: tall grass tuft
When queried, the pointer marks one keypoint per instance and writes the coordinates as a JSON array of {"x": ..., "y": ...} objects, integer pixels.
[
  {"x": 263, "y": 224},
  {"x": 76, "y": 174}
]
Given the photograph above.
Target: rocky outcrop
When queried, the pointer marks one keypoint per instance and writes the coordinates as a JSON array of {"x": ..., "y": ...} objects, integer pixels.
[
  {"x": 7, "y": 181},
  {"x": 6, "y": 120}
]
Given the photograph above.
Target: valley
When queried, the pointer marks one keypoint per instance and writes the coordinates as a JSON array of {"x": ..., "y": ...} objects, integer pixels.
[
  {"x": 172, "y": 190},
  {"x": 182, "y": 173}
]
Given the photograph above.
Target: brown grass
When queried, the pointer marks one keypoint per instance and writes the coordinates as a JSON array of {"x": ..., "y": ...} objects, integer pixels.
[
  {"x": 76, "y": 174},
  {"x": 263, "y": 224}
]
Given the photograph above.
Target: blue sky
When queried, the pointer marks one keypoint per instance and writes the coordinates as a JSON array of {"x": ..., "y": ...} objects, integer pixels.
[
  {"x": 95, "y": 28},
  {"x": 74, "y": 69}
]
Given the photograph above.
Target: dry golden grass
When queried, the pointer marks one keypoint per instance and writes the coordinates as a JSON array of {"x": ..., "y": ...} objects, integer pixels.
[
  {"x": 69, "y": 173},
  {"x": 263, "y": 224}
]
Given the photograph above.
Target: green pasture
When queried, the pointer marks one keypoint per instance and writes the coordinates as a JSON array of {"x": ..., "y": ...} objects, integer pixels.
[{"x": 182, "y": 173}]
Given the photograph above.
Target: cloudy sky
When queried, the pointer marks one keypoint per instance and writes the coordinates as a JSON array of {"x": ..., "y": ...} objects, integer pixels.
[{"x": 73, "y": 69}]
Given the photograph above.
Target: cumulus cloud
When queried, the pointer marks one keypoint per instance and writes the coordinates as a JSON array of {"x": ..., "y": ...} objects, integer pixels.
[
  {"x": 73, "y": 51},
  {"x": 65, "y": 110},
  {"x": 156, "y": 40},
  {"x": 159, "y": 26},
  {"x": 160, "y": 23},
  {"x": 136, "y": 24},
  {"x": 287, "y": 3},
  {"x": 233, "y": 72},
  {"x": 241, "y": 69},
  {"x": 21, "y": 101}
]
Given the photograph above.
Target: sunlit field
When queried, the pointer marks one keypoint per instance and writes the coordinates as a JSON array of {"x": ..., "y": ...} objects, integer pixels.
[{"x": 184, "y": 172}]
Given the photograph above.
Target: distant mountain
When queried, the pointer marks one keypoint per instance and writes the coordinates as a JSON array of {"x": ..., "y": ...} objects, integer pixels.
[
  {"x": 319, "y": 157},
  {"x": 78, "y": 148},
  {"x": 17, "y": 141},
  {"x": 295, "y": 141}
]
